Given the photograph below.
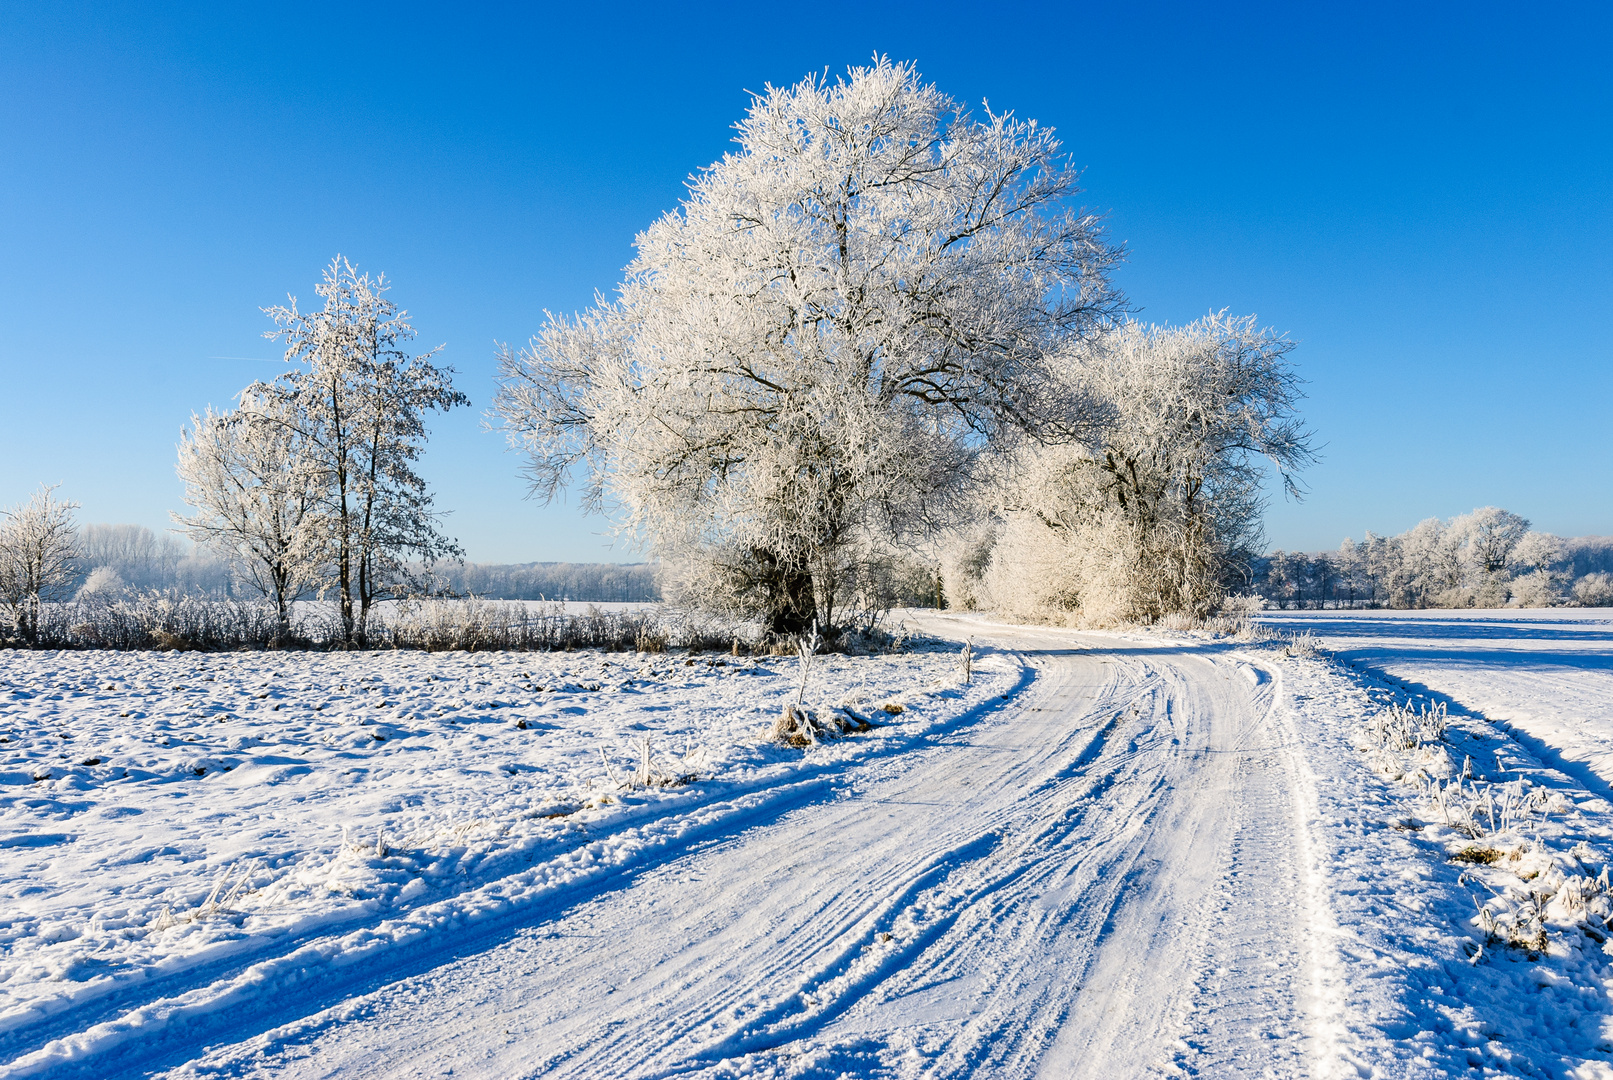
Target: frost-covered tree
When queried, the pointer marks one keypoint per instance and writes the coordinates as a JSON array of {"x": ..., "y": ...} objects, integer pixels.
[
  {"x": 256, "y": 495},
  {"x": 356, "y": 404},
  {"x": 38, "y": 557},
  {"x": 1537, "y": 561},
  {"x": 1350, "y": 562},
  {"x": 1153, "y": 515},
  {"x": 1487, "y": 537},
  {"x": 1594, "y": 590},
  {"x": 1537, "y": 551},
  {"x": 806, "y": 358}
]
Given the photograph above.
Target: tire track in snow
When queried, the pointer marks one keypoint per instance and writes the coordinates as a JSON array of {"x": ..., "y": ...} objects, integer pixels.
[{"x": 1107, "y": 880}]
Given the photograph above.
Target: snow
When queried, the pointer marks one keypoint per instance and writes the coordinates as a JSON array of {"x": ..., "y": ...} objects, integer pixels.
[
  {"x": 1109, "y": 855},
  {"x": 172, "y": 821},
  {"x": 1421, "y": 969},
  {"x": 1546, "y": 674}
]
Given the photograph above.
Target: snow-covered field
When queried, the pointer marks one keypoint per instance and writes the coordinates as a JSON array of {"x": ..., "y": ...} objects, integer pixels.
[
  {"x": 210, "y": 829},
  {"x": 1545, "y": 673},
  {"x": 1108, "y": 855}
]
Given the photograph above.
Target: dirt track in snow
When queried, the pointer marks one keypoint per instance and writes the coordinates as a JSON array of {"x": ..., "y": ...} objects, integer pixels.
[{"x": 1104, "y": 876}]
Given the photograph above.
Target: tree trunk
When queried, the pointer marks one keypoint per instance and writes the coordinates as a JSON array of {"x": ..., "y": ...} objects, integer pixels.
[
  {"x": 794, "y": 610},
  {"x": 790, "y": 601}
]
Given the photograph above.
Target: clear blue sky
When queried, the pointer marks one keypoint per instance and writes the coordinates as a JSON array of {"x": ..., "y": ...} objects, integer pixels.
[{"x": 1421, "y": 195}]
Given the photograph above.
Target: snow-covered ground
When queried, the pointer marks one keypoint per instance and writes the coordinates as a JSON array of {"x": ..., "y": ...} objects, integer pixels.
[
  {"x": 207, "y": 828},
  {"x": 1529, "y": 695},
  {"x": 1108, "y": 855},
  {"x": 1545, "y": 673}
]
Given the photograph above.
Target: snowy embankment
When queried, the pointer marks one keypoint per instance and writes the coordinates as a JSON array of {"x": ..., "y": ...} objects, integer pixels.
[{"x": 184, "y": 832}]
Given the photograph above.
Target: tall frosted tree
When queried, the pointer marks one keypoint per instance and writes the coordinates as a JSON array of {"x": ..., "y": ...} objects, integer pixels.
[
  {"x": 1487, "y": 537},
  {"x": 356, "y": 404},
  {"x": 807, "y": 357}
]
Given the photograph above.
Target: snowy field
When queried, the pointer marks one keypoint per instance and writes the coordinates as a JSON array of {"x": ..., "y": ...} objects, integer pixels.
[
  {"x": 1470, "y": 871},
  {"x": 1547, "y": 674},
  {"x": 1138, "y": 854},
  {"x": 168, "y": 818}
]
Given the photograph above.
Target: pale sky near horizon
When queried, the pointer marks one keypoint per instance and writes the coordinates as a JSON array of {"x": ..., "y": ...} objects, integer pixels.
[{"x": 1420, "y": 195}]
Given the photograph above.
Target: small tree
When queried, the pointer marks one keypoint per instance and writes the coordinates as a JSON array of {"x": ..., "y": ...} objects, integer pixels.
[
  {"x": 807, "y": 357},
  {"x": 356, "y": 408},
  {"x": 38, "y": 558},
  {"x": 247, "y": 476},
  {"x": 1154, "y": 514}
]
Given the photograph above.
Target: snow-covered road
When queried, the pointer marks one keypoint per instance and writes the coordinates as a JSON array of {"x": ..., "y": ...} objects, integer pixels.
[{"x": 1107, "y": 875}]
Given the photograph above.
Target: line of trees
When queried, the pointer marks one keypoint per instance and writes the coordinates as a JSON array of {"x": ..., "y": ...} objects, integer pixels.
[
  {"x": 1488, "y": 558},
  {"x": 595, "y": 582},
  {"x": 309, "y": 483},
  {"x": 117, "y": 560}
]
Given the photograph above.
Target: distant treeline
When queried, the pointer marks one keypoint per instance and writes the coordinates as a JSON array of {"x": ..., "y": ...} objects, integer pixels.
[
  {"x": 1488, "y": 558},
  {"x": 118, "y": 559},
  {"x": 595, "y": 582}
]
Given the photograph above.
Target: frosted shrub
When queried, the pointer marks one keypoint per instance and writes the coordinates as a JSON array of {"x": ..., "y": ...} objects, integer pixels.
[
  {"x": 651, "y": 771},
  {"x": 476, "y": 625},
  {"x": 1235, "y": 619},
  {"x": 1538, "y": 589},
  {"x": 104, "y": 581},
  {"x": 159, "y": 621},
  {"x": 801, "y": 727},
  {"x": 1404, "y": 727},
  {"x": 1243, "y": 606},
  {"x": 1304, "y": 644}
]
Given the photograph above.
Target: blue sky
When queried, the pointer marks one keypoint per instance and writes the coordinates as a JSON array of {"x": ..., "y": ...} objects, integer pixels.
[{"x": 1421, "y": 195}]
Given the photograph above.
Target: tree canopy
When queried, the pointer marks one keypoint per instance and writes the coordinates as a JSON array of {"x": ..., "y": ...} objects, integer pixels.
[{"x": 806, "y": 358}]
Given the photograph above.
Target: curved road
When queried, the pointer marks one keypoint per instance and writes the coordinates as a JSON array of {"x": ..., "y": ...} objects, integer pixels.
[{"x": 1108, "y": 876}]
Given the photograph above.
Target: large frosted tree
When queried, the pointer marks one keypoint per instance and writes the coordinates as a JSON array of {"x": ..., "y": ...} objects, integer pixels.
[
  {"x": 356, "y": 403},
  {"x": 806, "y": 358}
]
